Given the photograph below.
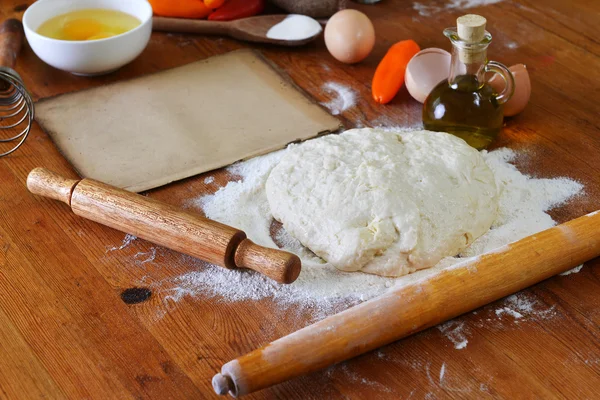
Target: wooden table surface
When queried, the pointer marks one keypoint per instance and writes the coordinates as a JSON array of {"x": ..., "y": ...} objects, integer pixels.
[{"x": 66, "y": 332}]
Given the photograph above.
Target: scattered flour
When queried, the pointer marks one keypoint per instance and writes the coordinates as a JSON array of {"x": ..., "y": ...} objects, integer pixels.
[
  {"x": 345, "y": 97},
  {"x": 209, "y": 180},
  {"x": 442, "y": 372},
  {"x": 126, "y": 242},
  {"x": 427, "y": 9},
  {"x": 352, "y": 376},
  {"x": 511, "y": 45},
  {"x": 466, "y": 4},
  {"x": 322, "y": 289},
  {"x": 525, "y": 304},
  {"x": 523, "y": 203},
  {"x": 572, "y": 271},
  {"x": 455, "y": 331},
  {"x": 143, "y": 258},
  {"x": 428, "y": 373},
  {"x": 509, "y": 311},
  {"x": 520, "y": 306}
]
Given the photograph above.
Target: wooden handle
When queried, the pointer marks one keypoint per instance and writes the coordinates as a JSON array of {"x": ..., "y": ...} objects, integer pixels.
[
  {"x": 46, "y": 183},
  {"x": 185, "y": 25},
  {"x": 11, "y": 41},
  {"x": 276, "y": 264},
  {"x": 165, "y": 225},
  {"x": 412, "y": 308}
]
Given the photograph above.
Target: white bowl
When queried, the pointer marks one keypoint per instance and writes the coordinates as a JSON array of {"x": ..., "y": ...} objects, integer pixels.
[{"x": 93, "y": 57}]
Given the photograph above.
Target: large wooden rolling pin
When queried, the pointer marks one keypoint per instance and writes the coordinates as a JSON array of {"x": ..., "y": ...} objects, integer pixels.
[
  {"x": 165, "y": 225},
  {"x": 410, "y": 309}
]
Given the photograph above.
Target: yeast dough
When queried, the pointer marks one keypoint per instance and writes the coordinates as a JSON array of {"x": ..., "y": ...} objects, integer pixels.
[{"x": 386, "y": 203}]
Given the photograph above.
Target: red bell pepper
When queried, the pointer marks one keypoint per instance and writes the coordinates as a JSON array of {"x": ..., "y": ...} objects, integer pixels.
[
  {"x": 236, "y": 9},
  {"x": 214, "y": 4}
]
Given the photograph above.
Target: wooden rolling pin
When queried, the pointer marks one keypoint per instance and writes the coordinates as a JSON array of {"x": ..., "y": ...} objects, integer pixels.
[
  {"x": 412, "y": 308},
  {"x": 165, "y": 225}
]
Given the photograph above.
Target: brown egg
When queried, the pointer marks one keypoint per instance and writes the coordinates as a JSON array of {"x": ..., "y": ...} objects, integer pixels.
[
  {"x": 520, "y": 98},
  {"x": 349, "y": 36}
]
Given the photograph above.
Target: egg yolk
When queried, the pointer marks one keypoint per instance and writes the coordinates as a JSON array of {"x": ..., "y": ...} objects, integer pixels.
[{"x": 82, "y": 29}]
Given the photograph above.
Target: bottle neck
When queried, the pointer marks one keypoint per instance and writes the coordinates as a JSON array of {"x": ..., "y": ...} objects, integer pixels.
[
  {"x": 471, "y": 63},
  {"x": 468, "y": 59}
]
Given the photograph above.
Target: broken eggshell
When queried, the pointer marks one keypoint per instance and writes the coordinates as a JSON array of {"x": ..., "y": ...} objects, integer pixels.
[
  {"x": 520, "y": 97},
  {"x": 425, "y": 70}
]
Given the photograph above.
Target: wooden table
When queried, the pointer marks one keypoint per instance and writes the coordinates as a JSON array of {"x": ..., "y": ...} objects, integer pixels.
[{"x": 66, "y": 332}]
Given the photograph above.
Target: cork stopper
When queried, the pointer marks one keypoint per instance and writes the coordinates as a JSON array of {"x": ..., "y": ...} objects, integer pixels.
[{"x": 471, "y": 29}]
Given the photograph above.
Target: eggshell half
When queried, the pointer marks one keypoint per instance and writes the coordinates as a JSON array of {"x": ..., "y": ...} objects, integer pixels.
[
  {"x": 522, "y": 93},
  {"x": 425, "y": 70}
]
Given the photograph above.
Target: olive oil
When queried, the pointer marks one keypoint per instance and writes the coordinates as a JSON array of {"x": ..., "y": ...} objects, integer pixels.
[
  {"x": 466, "y": 105},
  {"x": 465, "y": 108},
  {"x": 88, "y": 24}
]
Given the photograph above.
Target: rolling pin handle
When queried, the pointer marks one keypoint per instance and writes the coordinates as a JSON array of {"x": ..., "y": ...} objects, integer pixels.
[
  {"x": 46, "y": 183},
  {"x": 279, "y": 265},
  {"x": 11, "y": 41},
  {"x": 222, "y": 384}
]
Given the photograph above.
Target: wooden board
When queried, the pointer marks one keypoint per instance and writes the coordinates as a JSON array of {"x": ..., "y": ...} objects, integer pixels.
[
  {"x": 67, "y": 333},
  {"x": 147, "y": 132}
]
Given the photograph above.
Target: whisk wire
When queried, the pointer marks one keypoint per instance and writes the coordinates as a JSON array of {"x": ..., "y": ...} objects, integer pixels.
[
  {"x": 16, "y": 109},
  {"x": 3, "y": 117}
]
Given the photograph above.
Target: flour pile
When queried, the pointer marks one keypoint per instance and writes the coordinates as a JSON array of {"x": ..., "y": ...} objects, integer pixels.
[
  {"x": 523, "y": 202},
  {"x": 295, "y": 27}
]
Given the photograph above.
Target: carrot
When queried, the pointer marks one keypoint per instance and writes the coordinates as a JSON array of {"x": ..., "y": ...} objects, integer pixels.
[
  {"x": 212, "y": 4},
  {"x": 180, "y": 8},
  {"x": 389, "y": 75}
]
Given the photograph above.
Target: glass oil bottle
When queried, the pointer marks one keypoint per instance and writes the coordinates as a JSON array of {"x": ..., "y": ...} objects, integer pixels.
[{"x": 466, "y": 105}]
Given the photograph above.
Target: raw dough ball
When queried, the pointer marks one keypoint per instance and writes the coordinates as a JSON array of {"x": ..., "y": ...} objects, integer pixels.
[{"x": 386, "y": 203}]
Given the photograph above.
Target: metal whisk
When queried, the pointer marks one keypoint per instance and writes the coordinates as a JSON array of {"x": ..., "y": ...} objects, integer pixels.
[{"x": 16, "y": 105}]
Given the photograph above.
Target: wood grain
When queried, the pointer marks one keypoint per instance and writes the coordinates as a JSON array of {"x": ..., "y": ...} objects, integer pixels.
[{"x": 60, "y": 282}]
